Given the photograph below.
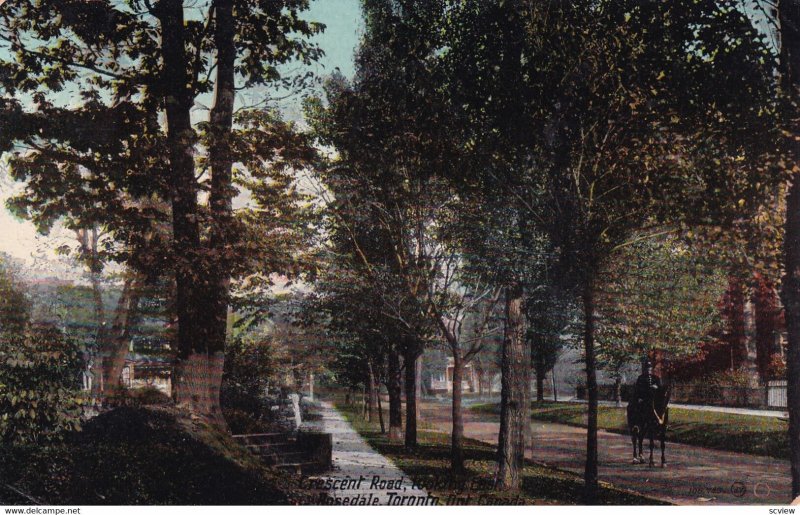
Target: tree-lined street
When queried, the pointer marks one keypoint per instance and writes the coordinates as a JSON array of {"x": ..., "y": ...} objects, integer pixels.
[{"x": 478, "y": 193}]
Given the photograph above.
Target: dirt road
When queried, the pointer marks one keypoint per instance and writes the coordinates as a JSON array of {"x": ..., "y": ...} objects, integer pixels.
[{"x": 694, "y": 475}]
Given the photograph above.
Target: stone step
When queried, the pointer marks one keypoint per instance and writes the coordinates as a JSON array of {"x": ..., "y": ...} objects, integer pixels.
[
  {"x": 300, "y": 467},
  {"x": 272, "y": 448},
  {"x": 264, "y": 438},
  {"x": 284, "y": 458}
]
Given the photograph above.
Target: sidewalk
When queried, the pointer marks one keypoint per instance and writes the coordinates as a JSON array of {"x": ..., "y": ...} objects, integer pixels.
[{"x": 361, "y": 475}]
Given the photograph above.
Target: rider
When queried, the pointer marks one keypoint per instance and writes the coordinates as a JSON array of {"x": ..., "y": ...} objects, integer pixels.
[{"x": 647, "y": 384}]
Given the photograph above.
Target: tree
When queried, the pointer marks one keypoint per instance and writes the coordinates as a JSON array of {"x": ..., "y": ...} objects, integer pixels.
[
  {"x": 647, "y": 129},
  {"x": 655, "y": 297},
  {"x": 551, "y": 318},
  {"x": 359, "y": 299},
  {"x": 131, "y": 61},
  {"x": 387, "y": 132},
  {"x": 788, "y": 18},
  {"x": 461, "y": 301}
]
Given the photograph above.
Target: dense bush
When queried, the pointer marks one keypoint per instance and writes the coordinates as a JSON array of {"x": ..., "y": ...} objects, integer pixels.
[
  {"x": 39, "y": 385},
  {"x": 248, "y": 364}
]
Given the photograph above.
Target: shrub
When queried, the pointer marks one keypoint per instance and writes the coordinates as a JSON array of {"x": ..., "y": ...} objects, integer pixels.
[
  {"x": 40, "y": 394},
  {"x": 776, "y": 368}
]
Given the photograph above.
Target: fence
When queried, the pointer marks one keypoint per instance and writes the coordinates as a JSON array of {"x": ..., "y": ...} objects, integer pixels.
[
  {"x": 771, "y": 396},
  {"x": 776, "y": 394}
]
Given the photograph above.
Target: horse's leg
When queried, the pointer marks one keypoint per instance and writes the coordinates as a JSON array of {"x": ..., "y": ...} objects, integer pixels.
[
  {"x": 640, "y": 439},
  {"x": 652, "y": 445},
  {"x": 633, "y": 441},
  {"x": 663, "y": 446}
]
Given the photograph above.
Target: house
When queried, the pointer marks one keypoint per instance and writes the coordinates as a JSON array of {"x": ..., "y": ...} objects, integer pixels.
[
  {"x": 141, "y": 371},
  {"x": 442, "y": 380}
]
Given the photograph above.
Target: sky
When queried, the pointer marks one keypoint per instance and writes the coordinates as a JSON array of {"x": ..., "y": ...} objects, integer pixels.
[{"x": 19, "y": 238}]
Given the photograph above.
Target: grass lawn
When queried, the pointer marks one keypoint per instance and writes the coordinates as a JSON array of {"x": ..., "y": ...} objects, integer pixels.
[
  {"x": 763, "y": 436},
  {"x": 429, "y": 467}
]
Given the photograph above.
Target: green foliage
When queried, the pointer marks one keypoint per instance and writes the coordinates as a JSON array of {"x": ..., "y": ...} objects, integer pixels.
[
  {"x": 607, "y": 117},
  {"x": 39, "y": 371},
  {"x": 249, "y": 367},
  {"x": 39, "y": 385},
  {"x": 656, "y": 295},
  {"x": 552, "y": 325},
  {"x": 15, "y": 307},
  {"x": 727, "y": 378}
]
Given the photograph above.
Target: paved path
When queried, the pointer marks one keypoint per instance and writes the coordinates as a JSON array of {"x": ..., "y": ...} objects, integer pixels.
[
  {"x": 360, "y": 474},
  {"x": 694, "y": 475}
]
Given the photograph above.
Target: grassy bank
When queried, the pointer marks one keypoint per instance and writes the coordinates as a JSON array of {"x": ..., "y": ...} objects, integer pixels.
[
  {"x": 762, "y": 436},
  {"x": 429, "y": 466},
  {"x": 142, "y": 456}
]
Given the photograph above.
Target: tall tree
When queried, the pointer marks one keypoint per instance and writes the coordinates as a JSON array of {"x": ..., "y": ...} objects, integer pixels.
[
  {"x": 647, "y": 128},
  {"x": 132, "y": 60},
  {"x": 551, "y": 317},
  {"x": 387, "y": 132}
]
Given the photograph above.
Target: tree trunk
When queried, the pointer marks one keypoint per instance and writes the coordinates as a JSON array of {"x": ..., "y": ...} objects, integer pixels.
[
  {"x": 457, "y": 436},
  {"x": 191, "y": 367},
  {"x": 380, "y": 411},
  {"x": 117, "y": 344},
  {"x": 410, "y": 359},
  {"x": 373, "y": 398},
  {"x": 515, "y": 394},
  {"x": 590, "y": 474},
  {"x": 395, "y": 400},
  {"x": 91, "y": 258},
  {"x": 789, "y": 15},
  {"x": 618, "y": 390},
  {"x": 555, "y": 391},
  {"x": 418, "y": 382},
  {"x": 221, "y": 194},
  {"x": 540, "y": 384}
]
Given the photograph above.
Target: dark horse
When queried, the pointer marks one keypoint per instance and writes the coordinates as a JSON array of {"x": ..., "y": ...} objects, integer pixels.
[{"x": 649, "y": 419}]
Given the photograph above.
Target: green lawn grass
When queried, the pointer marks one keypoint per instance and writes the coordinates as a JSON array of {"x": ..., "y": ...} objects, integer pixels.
[
  {"x": 429, "y": 466},
  {"x": 763, "y": 436}
]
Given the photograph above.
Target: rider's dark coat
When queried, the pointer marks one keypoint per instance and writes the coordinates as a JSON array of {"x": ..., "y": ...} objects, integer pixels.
[{"x": 644, "y": 387}]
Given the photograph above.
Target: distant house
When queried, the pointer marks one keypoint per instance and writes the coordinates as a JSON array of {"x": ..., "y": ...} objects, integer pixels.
[
  {"x": 442, "y": 381},
  {"x": 141, "y": 371}
]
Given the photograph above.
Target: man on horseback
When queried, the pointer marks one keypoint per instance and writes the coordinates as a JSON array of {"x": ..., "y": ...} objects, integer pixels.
[
  {"x": 647, "y": 413},
  {"x": 647, "y": 384}
]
